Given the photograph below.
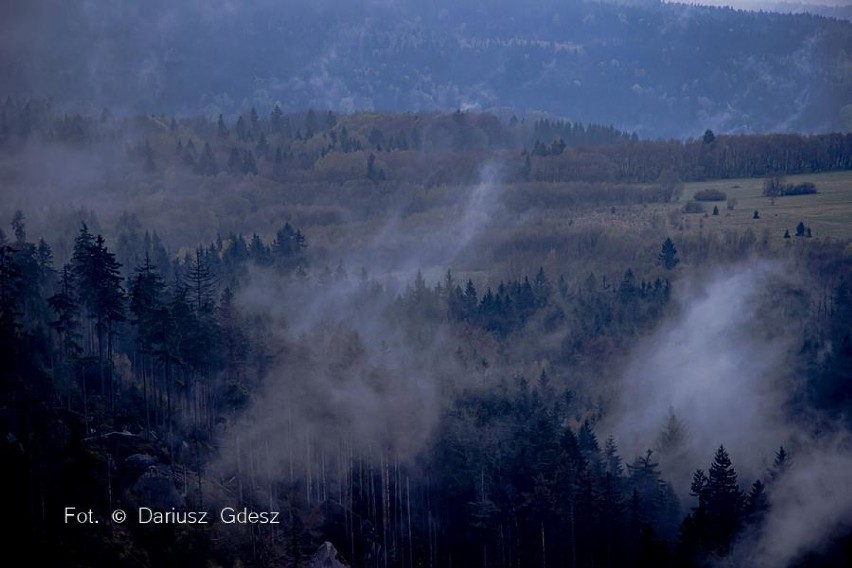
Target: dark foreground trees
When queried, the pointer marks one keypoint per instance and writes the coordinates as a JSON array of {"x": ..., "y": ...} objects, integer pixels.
[{"x": 118, "y": 397}]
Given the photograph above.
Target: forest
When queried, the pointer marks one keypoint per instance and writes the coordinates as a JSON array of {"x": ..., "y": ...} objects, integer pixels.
[
  {"x": 428, "y": 339},
  {"x": 662, "y": 69}
]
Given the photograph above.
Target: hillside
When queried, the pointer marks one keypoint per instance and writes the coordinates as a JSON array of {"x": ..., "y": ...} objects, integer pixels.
[{"x": 657, "y": 69}]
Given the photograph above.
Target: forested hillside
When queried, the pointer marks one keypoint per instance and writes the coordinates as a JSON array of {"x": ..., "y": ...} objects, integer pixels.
[
  {"x": 430, "y": 339},
  {"x": 661, "y": 69}
]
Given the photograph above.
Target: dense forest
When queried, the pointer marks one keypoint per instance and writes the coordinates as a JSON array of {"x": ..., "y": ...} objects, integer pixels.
[
  {"x": 659, "y": 68},
  {"x": 429, "y": 339}
]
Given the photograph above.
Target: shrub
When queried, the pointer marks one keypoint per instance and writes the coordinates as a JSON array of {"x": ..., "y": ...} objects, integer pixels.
[
  {"x": 693, "y": 207},
  {"x": 805, "y": 188},
  {"x": 776, "y": 187},
  {"x": 710, "y": 195}
]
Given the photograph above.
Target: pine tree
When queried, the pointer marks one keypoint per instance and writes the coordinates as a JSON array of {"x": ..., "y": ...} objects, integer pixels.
[
  {"x": 668, "y": 255},
  {"x": 756, "y": 503},
  {"x": 470, "y": 301},
  {"x": 10, "y": 310},
  {"x": 698, "y": 488},
  {"x": 147, "y": 305},
  {"x": 372, "y": 173},
  {"x": 84, "y": 277},
  {"x": 146, "y": 297},
  {"x": 207, "y": 163},
  {"x": 779, "y": 464},
  {"x": 234, "y": 345},
  {"x": 249, "y": 166},
  {"x": 200, "y": 282},
  {"x": 276, "y": 119},
  {"x": 288, "y": 247},
  {"x": 673, "y": 435},
  {"x": 66, "y": 324},
  {"x": 262, "y": 145},
  {"x": 259, "y": 252},
  {"x": 242, "y": 130},
  {"x": 612, "y": 460},
  {"x": 19, "y": 228},
  {"x": 98, "y": 285},
  {"x": 724, "y": 501}
]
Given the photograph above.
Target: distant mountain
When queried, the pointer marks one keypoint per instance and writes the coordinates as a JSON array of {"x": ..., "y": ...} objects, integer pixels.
[{"x": 657, "y": 69}]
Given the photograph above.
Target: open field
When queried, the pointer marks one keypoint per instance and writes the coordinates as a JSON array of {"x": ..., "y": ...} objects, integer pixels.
[{"x": 828, "y": 213}]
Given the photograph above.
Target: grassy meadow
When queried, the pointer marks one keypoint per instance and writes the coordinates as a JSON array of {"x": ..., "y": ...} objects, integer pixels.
[{"x": 828, "y": 213}]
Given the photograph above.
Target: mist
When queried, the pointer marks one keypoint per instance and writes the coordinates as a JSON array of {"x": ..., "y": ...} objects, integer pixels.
[
  {"x": 438, "y": 283},
  {"x": 811, "y": 504},
  {"x": 348, "y": 381},
  {"x": 721, "y": 365}
]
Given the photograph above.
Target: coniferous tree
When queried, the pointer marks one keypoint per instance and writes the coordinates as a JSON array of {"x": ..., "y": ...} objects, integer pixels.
[
  {"x": 288, "y": 247},
  {"x": 235, "y": 162},
  {"x": 249, "y": 166},
  {"x": 241, "y": 129},
  {"x": 98, "y": 284},
  {"x": 756, "y": 502},
  {"x": 668, "y": 255},
  {"x": 199, "y": 281},
  {"x": 276, "y": 119},
  {"x": 612, "y": 461},
  {"x": 67, "y": 323},
  {"x": 673, "y": 435},
  {"x": 207, "y": 162},
  {"x": 146, "y": 296},
  {"x": 33, "y": 266},
  {"x": 259, "y": 252},
  {"x": 724, "y": 501},
  {"x": 779, "y": 464},
  {"x": 10, "y": 307},
  {"x": 147, "y": 304}
]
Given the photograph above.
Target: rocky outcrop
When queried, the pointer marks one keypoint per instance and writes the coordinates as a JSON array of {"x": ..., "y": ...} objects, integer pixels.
[{"x": 327, "y": 556}]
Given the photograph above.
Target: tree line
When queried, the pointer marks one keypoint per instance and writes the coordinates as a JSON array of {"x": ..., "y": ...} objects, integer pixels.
[{"x": 325, "y": 146}]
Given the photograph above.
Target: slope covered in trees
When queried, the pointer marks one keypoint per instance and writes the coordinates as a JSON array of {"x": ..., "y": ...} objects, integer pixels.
[
  {"x": 407, "y": 421},
  {"x": 428, "y": 338},
  {"x": 661, "y": 69}
]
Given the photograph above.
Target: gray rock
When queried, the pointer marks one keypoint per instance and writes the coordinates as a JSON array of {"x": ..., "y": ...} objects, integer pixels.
[{"x": 327, "y": 556}]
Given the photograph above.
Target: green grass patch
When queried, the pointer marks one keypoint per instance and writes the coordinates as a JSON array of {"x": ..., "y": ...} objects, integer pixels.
[{"x": 828, "y": 213}]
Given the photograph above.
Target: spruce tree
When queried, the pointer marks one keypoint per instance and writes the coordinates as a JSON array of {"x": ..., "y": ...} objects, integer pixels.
[
  {"x": 207, "y": 162},
  {"x": 276, "y": 119},
  {"x": 668, "y": 255},
  {"x": 724, "y": 500}
]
